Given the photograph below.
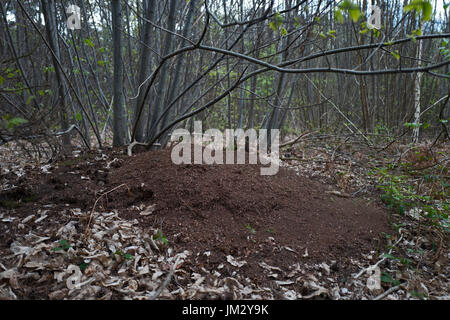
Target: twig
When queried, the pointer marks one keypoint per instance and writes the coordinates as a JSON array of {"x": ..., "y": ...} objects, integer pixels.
[
  {"x": 338, "y": 194},
  {"x": 135, "y": 143},
  {"x": 74, "y": 127},
  {"x": 376, "y": 264},
  {"x": 290, "y": 143},
  {"x": 166, "y": 282},
  {"x": 103, "y": 134},
  {"x": 95, "y": 204},
  {"x": 388, "y": 292},
  {"x": 441, "y": 245},
  {"x": 4, "y": 139}
]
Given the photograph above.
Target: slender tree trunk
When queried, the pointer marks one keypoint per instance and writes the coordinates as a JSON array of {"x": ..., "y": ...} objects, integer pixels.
[
  {"x": 174, "y": 85},
  {"x": 243, "y": 92},
  {"x": 120, "y": 117},
  {"x": 145, "y": 66},
  {"x": 417, "y": 94},
  {"x": 130, "y": 54},
  {"x": 164, "y": 81},
  {"x": 362, "y": 85},
  {"x": 230, "y": 121},
  {"x": 48, "y": 8}
]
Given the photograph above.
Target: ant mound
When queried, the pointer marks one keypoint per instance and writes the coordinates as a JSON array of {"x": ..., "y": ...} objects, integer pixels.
[{"x": 233, "y": 210}]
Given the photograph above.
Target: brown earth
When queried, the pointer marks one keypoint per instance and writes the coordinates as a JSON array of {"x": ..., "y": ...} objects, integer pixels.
[{"x": 227, "y": 210}]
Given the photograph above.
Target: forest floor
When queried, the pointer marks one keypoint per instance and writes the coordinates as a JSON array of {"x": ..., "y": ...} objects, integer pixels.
[{"x": 104, "y": 225}]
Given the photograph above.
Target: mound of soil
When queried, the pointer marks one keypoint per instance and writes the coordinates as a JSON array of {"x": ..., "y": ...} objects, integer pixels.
[
  {"x": 232, "y": 209},
  {"x": 221, "y": 209}
]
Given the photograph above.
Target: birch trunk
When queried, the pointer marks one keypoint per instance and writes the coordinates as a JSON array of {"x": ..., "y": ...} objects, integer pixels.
[{"x": 417, "y": 94}]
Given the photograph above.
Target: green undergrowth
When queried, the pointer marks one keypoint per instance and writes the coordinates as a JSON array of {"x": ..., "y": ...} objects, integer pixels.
[{"x": 420, "y": 194}]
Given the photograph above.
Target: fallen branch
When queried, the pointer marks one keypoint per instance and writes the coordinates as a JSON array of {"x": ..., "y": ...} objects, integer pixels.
[
  {"x": 388, "y": 292},
  {"x": 291, "y": 143}
]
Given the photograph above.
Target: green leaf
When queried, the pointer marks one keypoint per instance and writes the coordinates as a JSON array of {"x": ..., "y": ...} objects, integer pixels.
[
  {"x": 78, "y": 117},
  {"x": 64, "y": 244},
  {"x": 272, "y": 25},
  {"x": 420, "y": 6},
  {"x": 89, "y": 42},
  {"x": 346, "y": 4},
  {"x": 401, "y": 209},
  {"x": 339, "y": 16},
  {"x": 386, "y": 277},
  {"x": 129, "y": 256},
  {"x": 364, "y": 31},
  {"x": 427, "y": 10},
  {"x": 30, "y": 98},
  {"x": 276, "y": 22},
  {"x": 15, "y": 122},
  {"x": 83, "y": 266},
  {"x": 351, "y": 8},
  {"x": 49, "y": 69},
  {"x": 354, "y": 14},
  {"x": 396, "y": 54},
  {"x": 332, "y": 33},
  {"x": 161, "y": 237},
  {"x": 388, "y": 256}
]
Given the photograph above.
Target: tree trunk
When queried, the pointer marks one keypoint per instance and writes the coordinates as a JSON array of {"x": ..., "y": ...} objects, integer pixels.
[
  {"x": 417, "y": 94},
  {"x": 174, "y": 85},
  {"x": 145, "y": 63},
  {"x": 164, "y": 81},
  {"x": 120, "y": 117},
  {"x": 48, "y": 9}
]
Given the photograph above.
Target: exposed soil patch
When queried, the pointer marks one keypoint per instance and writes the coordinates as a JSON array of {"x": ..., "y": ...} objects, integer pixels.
[{"x": 224, "y": 210}]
